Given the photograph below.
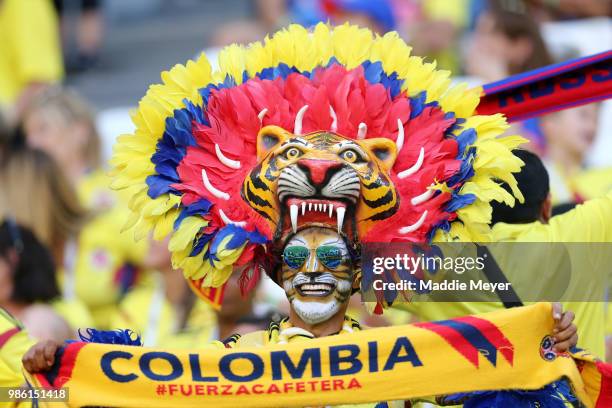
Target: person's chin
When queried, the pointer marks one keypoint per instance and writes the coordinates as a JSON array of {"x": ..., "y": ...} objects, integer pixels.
[{"x": 315, "y": 310}]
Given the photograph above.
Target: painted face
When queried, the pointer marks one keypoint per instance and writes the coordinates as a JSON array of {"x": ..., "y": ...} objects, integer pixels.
[{"x": 317, "y": 273}]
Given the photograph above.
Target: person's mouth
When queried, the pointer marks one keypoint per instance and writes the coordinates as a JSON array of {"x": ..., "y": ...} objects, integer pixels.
[{"x": 315, "y": 289}]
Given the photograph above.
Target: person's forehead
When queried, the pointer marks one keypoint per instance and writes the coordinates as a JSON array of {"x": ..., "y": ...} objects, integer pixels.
[{"x": 314, "y": 235}]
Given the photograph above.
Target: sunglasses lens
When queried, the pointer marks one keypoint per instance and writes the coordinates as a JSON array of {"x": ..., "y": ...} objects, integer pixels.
[
  {"x": 330, "y": 256},
  {"x": 295, "y": 256}
]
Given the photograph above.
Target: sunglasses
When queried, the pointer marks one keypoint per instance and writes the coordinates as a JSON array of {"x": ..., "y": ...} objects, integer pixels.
[{"x": 330, "y": 256}]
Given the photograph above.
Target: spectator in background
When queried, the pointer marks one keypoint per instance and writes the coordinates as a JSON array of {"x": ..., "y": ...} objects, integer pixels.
[
  {"x": 82, "y": 26},
  {"x": 569, "y": 135},
  {"x": 434, "y": 27},
  {"x": 30, "y": 54},
  {"x": 16, "y": 342},
  {"x": 237, "y": 314},
  {"x": 377, "y": 15},
  {"x": 271, "y": 15},
  {"x": 27, "y": 283},
  {"x": 35, "y": 192},
  {"x": 562, "y": 9},
  {"x": 104, "y": 262},
  {"x": 506, "y": 41},
  {"x": 166, "y": 313}
]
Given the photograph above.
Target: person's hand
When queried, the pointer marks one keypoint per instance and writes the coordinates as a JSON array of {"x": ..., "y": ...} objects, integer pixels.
[
  {"x": 41, "y": 356},
  {"x": 565, "y": 332}
]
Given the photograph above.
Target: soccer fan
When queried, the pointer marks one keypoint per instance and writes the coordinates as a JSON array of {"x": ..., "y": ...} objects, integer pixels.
[
  {"x": 27, "y": 283},
  {"x": 102, "y": 264}
]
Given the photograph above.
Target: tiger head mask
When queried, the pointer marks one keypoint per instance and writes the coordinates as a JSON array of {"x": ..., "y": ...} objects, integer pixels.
[
  {"x": 329, "y": 127},
  {"x": 321, "y": 178}
]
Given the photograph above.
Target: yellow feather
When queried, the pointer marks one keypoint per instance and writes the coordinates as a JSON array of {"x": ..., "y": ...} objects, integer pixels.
[
  {"x": 321, "y": 37},
  {"x": 165, "y": 224},
  {"x": 191, "y": 265},
  {"x": 351, "y": 44},
  {"x": 231, "y": 62},
  {"x": 186, "y": 233}
]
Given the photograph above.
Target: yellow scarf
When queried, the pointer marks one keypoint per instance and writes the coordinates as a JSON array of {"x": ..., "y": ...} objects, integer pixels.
[{"x": 508, "y": 349}]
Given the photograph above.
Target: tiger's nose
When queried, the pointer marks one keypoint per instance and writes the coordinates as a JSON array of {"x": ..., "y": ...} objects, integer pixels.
[{"x": 319, "y": 170}]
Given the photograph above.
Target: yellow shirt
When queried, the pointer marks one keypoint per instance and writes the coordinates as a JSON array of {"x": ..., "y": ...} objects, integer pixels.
[
  {"x": 29, "y": 46},
  {"x": 14, "y": 342},
  {"x": 586, "y": 185},
  {"x": 587, "y": 223},
  {"x": 146, "y": 311},
  {"x": 102, "y": 250},
  {"x": 75, "y": 313}
]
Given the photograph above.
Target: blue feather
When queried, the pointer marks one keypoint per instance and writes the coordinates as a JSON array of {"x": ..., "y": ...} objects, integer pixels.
[
  {"x": 196, "y": 112},
  {"x": 332, "y": 61},
  {"x": 178, "y": 128},
  {"x": 417, "y": 104},
  {"x": 201, "y": 241},
  {"x": 168, "y": 170},
  {"x": 450, "y": 132},
  {"x": 372, "y": 71},
  {"x": 124, "y": 337},
  {"x": 554, "y": 395},
  {"x": 464, "y": 139},
  {"x": 375, "y": 74},
  {"x": 200, "y": 207},
  {"x": 229, "y": 81},
  {"x": 459, "y": 201},
  {"x": 159, "y": 185},
  {"x": 466, "y": 171}
]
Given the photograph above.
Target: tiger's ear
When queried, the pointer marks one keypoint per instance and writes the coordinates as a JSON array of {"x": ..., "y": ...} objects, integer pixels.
[
  {"x": 268, "y": 138},
  {"x": 383, "y": 149}
]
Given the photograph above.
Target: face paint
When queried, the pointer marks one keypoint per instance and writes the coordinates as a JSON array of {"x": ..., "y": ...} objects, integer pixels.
[{"x": 317, "y": 273}]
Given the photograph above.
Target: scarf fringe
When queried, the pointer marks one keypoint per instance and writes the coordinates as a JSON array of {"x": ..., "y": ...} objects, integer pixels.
[
  {"x": 555, "y": 395},
  {"x": 120, "y": 336}
]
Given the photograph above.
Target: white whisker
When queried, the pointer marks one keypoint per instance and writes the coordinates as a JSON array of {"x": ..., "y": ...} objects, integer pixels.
[
  {"x": 411, "y": 228},
  {"x": 362, "y": 131},
  {"x": 334, "y": 125},
  {"x": 415, "y": 167},
  {"x": 261, "y": 115},
  {"x": 227, "y": 220},
  {"x": 212, "y": 189},
  {"x": 297, "y": 127},
  {"x": 234, "y": 164},
  {"x": 399, "y": 142},
  {"x": 420, "y": 199}
]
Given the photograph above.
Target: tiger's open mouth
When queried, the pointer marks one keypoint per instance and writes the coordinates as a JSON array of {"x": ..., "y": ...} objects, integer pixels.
[
  {"x": 304, "y": 211},
  {"x": 315, "y": 289}
]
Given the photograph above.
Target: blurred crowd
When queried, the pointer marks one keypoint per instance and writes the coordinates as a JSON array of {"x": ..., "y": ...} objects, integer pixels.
[{"x": 65, "y": 260}]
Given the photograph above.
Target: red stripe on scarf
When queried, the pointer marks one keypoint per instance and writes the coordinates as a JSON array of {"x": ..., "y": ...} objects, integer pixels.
[
  {"x": 6, "y": 336},
  {"x": 493, "y": 334},
  {"x": 605, "y": 392},
  {"x": 455, "y": 339}
]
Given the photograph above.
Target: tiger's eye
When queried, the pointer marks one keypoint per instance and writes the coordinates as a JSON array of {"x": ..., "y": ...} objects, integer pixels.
[
  {"x": 349, "y": 155},
  {"x": 293, "y": 153}
]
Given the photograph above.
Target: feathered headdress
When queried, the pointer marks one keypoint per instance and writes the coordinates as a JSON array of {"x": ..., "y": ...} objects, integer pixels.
[{"x": 209, "y": 149}]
